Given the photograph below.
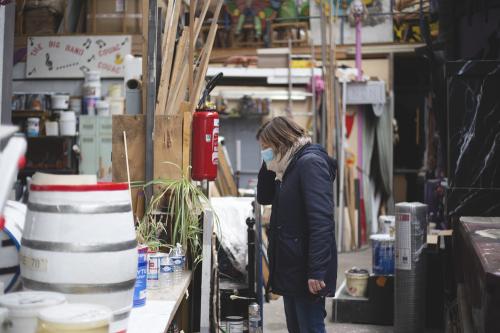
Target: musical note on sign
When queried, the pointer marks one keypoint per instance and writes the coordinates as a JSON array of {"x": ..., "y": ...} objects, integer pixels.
[
  {"x": 91, "y": 58},
  {"x": 32, "y": 71},
  {"x": 84, "y": 69},
  {"x": 125, "y": 41},
  {"x": 31, "y": 41},
  {"x": 101, "y": 43},
  {"x": 48, "y": 62},
  {"x": 87, "y": 43}
]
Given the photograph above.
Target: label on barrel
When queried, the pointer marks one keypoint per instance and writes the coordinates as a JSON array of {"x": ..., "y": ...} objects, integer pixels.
[
  {"x": 34, "y": 264},
  {"x": 403, "y": 241}
]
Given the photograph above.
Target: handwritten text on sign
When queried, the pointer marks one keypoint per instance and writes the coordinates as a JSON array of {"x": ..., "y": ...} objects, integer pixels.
[{"x": 72, "y": 56}]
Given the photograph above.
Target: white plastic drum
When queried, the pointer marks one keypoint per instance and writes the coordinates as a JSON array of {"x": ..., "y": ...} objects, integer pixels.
[
  {"x": 10, "y": 240},
  {"x": 24, "y": 308},
  {"x": 80, "y": 240},
  {"x": 75, "y": 318}
]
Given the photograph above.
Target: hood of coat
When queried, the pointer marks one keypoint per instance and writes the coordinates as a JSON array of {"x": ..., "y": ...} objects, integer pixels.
[{"x": 317, "y": 150}]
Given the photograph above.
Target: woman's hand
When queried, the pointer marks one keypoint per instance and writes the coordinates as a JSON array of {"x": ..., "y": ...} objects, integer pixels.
[{"x": 315, "y": 286}]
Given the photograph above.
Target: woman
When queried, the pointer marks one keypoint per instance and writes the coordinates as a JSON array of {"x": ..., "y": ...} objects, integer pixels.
[{"x": 297, "y": 179}]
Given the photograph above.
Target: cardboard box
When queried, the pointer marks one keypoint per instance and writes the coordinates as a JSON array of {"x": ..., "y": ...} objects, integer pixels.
[
  {"x": 109, "y": 16},
  {"x": 272, "y": 58}
]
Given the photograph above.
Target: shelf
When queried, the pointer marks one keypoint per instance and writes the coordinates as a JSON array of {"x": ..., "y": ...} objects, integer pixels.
[
  {"x": 272, "y": 75},
  {"x": 160, "y": 309},
  {"x": 29, "y": 113}
]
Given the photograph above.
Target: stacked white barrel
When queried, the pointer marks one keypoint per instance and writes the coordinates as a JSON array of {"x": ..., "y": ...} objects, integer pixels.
[
  {"x": 79, "y": 240},
  {"x": 10, "y": 240}
]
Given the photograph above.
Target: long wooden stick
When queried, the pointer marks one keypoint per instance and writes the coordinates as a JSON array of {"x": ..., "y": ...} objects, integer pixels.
[
  {"x": 168, "y": 59},
  {"x": 127, "y": 164},
  {"x": 180, "y": 61},
  {"x": 202, "y": 71},
  {"x": 199, "y": 24},
  {"x": 192, "y": 43}
]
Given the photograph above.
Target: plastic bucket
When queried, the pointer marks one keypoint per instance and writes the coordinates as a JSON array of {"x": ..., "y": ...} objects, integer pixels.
[
  {"x": 383, "y": 254},
  {"x": 59, "y": 102},
  {"x": 85, "y": 236},
  {"x": 356, "y": 282},
  {"x": 24, "y": 308},
  {"x": 67, "y": 123},
  {"x": 75, "y": 318},
  {"x": 51, "y": 128}
]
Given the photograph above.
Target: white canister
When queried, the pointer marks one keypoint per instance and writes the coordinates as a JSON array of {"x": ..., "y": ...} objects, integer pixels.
[
  {"x": 92, "y": 84},
  {"x": 116, "y": 105},
  {"x": 72, "y": 318},
  {"x": 387, "y": 224},
  {"x": 115, "y": 91},
  {"x": 102, "y": 108},
  {"x": 51, "y": 128},
  {"x": 24, "y": 308},
  {"x": 59, "y": 102},
  {"x": 33, "y": 127},
  {"x": 75, "y": 104},
  {"x": 67, "y": 123},
  {"x": 3, "y": 317}
]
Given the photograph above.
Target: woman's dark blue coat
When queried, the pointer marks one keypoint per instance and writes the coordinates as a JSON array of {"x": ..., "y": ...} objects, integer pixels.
[{"x": 302, "y": 229}]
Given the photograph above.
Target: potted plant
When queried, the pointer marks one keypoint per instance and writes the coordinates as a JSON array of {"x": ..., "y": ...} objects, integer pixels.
[{"x": 179, "y": 202}]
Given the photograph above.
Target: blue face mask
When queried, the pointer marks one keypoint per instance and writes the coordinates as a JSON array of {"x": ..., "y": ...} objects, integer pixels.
[{"x": 267, "y": 155}]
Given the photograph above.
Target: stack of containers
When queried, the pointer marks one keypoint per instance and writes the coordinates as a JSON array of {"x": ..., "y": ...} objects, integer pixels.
[
  {"x": 67, "y": 118},
  {"x": 383, "y": 252},
  {"x": 411, "y": 240},
  {"x": 91, "y": 92}
]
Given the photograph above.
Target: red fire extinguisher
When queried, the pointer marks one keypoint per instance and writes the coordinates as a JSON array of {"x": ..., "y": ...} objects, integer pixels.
[
  {"x": 205, "y": 148},
  {"x": 205, "y": 142}
]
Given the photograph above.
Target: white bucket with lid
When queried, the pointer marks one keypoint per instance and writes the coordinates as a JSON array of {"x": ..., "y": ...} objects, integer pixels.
[
  {"x": 85, "y": 236},
  {"x": 72, "y": 318},
  {"x": 357, "y": 281},
  {"x": 24, "y": 308},
  {"x": 51, "y": 128},
  {"x": 102, "y": 108},
  {"x": 67, "y": 123},
  {"x": 59, "y": 101}
]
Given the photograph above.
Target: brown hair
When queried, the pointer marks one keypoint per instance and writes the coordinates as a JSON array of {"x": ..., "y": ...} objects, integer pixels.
[{"x": 280, "y": 134}]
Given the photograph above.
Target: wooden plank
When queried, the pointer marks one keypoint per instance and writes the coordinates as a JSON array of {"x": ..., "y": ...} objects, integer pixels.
[
  {"x": 225, "y": 180},
  {"x": 186, "y": 138},
  {"x": 192, "y": 43},
  {"x": 168, "y": 146},
  {"x": 144, "y": 40},
  {"x": 202, "y": 71},
  {"x": 168, "y": 60},
  {"x": 201, "y": 20},
  {"x": 135, "y": 128}
]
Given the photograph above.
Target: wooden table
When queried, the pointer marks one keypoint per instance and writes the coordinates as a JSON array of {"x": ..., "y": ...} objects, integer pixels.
[{"x": 160, "y": 309}]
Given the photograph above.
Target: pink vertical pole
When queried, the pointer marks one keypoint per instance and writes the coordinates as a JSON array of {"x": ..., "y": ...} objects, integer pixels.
[{"x": 358, "y": 48}]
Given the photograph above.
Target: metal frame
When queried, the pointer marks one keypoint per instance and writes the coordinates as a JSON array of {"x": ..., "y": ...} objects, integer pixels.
[{"x": 7, "y": 21}]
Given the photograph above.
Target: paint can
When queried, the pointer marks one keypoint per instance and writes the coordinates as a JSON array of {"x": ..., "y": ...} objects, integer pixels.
[
  {"x": 234, "y": 324},
  {"x": 67, "y": 123},
  {"x": 382, "y": 254},
  {"x": 142, "y": 277},
  {"x": 33, "y": 127},
  {"x": 356, "y": 281},
  {"x": 59, "y": 102},
  {"x": 24, "y": 308},
  {"x": 154, "y": 264},
  {"x": 75, "y": 318}
]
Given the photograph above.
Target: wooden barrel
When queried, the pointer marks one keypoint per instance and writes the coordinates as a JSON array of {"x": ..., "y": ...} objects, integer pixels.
[
  {"x": 80, "y": 240},
  {"x": 10, "y": 242}
]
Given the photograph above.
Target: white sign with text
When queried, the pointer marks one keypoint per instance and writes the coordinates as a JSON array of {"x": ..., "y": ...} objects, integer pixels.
[{"x": 72, "y": 56}]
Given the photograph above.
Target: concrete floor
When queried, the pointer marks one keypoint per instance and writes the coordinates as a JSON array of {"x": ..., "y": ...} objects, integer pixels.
[{"x": 274, "y": 315}]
